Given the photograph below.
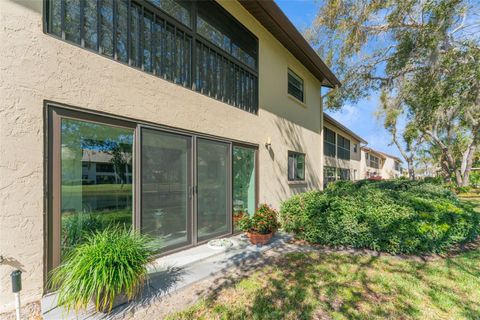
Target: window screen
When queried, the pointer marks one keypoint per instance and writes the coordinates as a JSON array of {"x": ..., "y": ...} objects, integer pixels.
[
  {"x": 157, "y": 37},
  {"x": 343, "y": 148},
  {"x": 295, "y": 85},
  {"x": 329, "y": 147},
  {"x": 296, "y": 166}
]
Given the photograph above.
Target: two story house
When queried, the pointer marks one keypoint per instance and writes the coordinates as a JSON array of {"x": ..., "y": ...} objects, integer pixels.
[
  {"x": 342, "y": 152},
  {"x": 162, "y": 115},
  {"x": 379, "y": 165}
]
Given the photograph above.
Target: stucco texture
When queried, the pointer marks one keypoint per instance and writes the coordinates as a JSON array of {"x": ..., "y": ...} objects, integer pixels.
[{"x": 36, "y": 67}]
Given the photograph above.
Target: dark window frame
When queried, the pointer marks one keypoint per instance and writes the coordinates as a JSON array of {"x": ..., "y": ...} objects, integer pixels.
[
  {"x": 256, "y": 172},
  {"x": 344, "y": 173},
  {"x": 297, "y": 92},
  {"x": 374, "y": 161},
  {"x": 294, "y": 177},
  {"x": 343, "y": 147},
  {"x": 329, "y": 147},
  {"x": 398, "y": 166},
  {"x": 233, "y": 90}
]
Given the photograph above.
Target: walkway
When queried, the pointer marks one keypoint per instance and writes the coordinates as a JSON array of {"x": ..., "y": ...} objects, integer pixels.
[{"x": 179, "y": 279}]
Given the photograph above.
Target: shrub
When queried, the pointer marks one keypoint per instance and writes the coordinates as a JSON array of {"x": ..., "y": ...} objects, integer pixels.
[
  {"x": 396, "y": 216},
  {"x": 109, "y": 263},
  {"x": 264, "y": 220}
]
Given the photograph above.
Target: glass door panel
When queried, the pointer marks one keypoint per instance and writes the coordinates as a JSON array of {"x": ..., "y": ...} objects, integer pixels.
[
  {"x": 166, "y": 184},
  {"x": 243, "y": 169},
  {"x": 213, "y": 180},
  {"x": 96, "y": 179}
]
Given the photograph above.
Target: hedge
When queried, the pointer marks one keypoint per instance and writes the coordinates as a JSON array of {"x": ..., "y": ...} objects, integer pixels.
[{"x": 398, "y": 216}]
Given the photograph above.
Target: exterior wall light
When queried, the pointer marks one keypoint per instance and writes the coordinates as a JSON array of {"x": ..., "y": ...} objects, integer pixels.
[{"x": 268, "y": 144}]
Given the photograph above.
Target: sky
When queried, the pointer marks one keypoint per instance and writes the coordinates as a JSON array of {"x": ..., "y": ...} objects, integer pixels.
[{"x": 360, "y": 117}]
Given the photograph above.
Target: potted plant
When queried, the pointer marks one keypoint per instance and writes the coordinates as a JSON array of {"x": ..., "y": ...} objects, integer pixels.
[
  {"x": 109, "y": 268},
  {"x": 261, "y": 226}
]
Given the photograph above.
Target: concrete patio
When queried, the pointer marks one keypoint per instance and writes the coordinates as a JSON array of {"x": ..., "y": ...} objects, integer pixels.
[{"x": 175, "y": 272}]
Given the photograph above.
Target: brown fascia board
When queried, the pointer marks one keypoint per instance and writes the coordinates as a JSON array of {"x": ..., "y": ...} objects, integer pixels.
[
  {"x": 378, "y": 153},
  {"x": 276, "y": 22},
  {"x": 337, "y": 124},
  {"x": 392, "y": 156}
]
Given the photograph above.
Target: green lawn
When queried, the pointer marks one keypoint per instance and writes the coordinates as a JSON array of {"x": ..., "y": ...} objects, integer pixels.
[
  {"x": 474, "y": 200},
  {"x": 344, "y": 286}
]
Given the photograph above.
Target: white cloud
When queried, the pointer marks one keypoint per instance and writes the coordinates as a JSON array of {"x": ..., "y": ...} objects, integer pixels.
[{"x": 348, "y": 115}]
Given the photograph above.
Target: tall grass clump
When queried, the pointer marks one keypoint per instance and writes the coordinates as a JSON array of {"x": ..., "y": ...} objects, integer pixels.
[
  {"x": 397, "y": 216},
  {"x": 109, "y": 264}
]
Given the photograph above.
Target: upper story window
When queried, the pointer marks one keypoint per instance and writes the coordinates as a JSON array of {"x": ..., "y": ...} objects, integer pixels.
[
  {"x": 329, "y": 142},
  {"x": 355, "y": 147},
  {"x": 217, "y": 26},
  {"x": 373, "y": 161},
  {"x": 180, "y": 10},
  {"x": 295, "y": 86},
  {"x": 296, "y": 166},
  {"x": 200, "y": 46},
  {"x": 343, "y": 147},
  {"x": 398, "y": 167}
]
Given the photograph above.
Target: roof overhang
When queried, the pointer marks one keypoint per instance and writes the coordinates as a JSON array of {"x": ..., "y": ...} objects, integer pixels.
[
  {"x": 374, "y": 152},
  {"x": 337, "y": 124},
  {"x": 276, "y": 22}
]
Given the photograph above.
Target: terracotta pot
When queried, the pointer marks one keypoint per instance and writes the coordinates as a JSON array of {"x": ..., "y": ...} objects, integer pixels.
[{"x": 258, "y": 238}]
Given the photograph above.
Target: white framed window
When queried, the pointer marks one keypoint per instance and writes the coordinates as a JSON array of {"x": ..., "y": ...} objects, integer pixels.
[{"x": 295, "y": 86}]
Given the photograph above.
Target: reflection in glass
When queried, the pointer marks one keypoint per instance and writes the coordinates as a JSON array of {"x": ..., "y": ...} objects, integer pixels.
[
  {"x": 166, "y": 163},
  {"x": 96, "y": 164},
  {"x": 212, "y": 174},
  {"x": 243, "y": 183},
  {"x": 178, "y": 10}
]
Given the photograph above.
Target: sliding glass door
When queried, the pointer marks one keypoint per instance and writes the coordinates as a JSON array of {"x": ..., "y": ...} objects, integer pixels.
[
  {"x": 179, "y": 188},
  {"x": 166, "y": 197},
  {"x": 213, "y": 181}
]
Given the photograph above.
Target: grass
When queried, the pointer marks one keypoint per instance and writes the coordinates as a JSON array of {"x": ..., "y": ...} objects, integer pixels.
[
  {"x": 98, "y": 189},
  {"x": 344, "y": 286},
  {"x": 475, "y": 201},
  {"x": 321, "y": 285}
]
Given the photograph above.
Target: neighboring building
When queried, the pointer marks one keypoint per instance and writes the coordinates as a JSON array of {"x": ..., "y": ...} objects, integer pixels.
[
  {"x": 342, "y": 152},
  {"x": 192, "y": 109},
  {"x": 379, "y": 165}
]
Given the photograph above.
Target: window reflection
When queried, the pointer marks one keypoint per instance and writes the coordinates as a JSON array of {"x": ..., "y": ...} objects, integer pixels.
[
  {"x": 243, "y": 183},
  {"x": 96, "y": 179}
]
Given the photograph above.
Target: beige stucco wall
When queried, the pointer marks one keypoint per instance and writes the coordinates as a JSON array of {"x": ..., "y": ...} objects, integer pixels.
[
  {"x": 36, "y": 67},
  {"x": 386, "y": 170},
  {"x": 355, "y": 157}
]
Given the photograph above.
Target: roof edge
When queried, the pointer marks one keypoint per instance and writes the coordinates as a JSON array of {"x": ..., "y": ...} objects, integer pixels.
[
  {"x": 343, "y": 127},
  {"x": 269, "y": 14}
]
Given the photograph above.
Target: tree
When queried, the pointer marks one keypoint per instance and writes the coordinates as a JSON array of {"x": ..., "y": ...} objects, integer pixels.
[
  {"x": 445, "y": 103},
  {"x": 404, "y": 47}
]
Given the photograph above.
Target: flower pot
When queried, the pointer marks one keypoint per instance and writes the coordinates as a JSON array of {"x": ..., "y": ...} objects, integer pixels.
[
  {"x": 258, "y": 238},
  {"x": 118, "y": 301}
]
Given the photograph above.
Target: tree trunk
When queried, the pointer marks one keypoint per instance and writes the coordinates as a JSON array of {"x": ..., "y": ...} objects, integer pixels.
[{"x": 411, "y": 169}]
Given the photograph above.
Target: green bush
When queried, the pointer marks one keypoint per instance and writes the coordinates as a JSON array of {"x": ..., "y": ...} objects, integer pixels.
[
  {"x": 396, "y": 216},
  {"x": 107, "y": 264}
]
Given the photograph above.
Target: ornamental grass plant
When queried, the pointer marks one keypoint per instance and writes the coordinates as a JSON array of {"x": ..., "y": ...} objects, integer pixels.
[{"x": 109, "y": 264}]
